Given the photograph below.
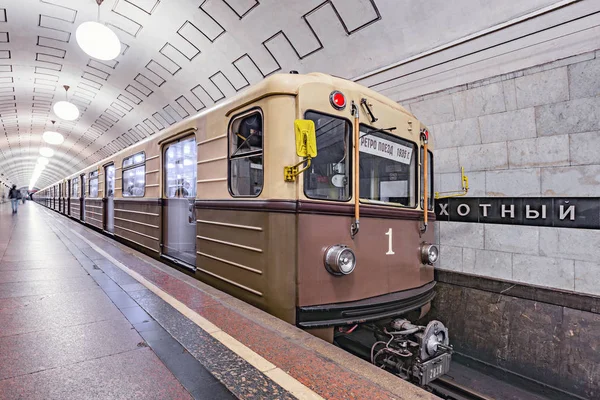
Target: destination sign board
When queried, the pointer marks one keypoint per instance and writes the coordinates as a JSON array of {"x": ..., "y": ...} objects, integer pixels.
[{"x": 379, "y": 147}]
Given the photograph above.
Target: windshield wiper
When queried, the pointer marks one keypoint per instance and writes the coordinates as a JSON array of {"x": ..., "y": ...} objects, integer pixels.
[
  {"x": 379, "y": 130},
  {"x": 363, "y": 101}
]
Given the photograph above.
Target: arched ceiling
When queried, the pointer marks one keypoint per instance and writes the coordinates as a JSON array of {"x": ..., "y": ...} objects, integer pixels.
[{"x": 181, "y": 56}]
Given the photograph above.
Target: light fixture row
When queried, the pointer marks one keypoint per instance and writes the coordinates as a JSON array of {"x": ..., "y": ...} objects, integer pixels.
[
  {"x": 97, "y": 41},
  {"x": 39, "y": 168}
]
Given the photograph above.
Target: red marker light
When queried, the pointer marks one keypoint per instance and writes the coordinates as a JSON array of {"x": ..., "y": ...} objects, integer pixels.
[{"x": 337, "y": 99}]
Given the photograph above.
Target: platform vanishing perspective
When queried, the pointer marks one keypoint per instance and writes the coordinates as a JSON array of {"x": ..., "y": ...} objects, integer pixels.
[{"x": 83, "y": 316}]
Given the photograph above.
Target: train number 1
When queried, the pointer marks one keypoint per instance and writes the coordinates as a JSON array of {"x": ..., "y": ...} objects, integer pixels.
[{"x": 390, "y": 251}]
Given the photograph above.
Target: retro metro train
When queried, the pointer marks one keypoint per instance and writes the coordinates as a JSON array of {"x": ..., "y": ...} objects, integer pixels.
[{"x": 308, "y": 196}]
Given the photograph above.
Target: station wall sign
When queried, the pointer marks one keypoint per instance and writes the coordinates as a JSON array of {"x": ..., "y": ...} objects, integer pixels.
[{"x": 564, "y": 212}]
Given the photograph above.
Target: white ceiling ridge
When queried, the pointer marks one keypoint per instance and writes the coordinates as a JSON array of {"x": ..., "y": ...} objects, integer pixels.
[{"x": 495, "y": 28}]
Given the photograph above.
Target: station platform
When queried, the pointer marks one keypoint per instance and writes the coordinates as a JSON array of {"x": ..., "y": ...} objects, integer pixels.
[{"x": 83, "y": 316}]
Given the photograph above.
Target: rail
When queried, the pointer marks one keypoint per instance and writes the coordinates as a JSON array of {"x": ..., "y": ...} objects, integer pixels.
[{"x": 447, "y": 389}]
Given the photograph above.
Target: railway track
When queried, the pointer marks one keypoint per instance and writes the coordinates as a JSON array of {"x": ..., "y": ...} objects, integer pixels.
[{"x": 448, "y": 389}]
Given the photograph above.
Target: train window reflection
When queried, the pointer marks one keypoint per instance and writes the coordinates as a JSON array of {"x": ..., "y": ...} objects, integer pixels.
[
  {"x": 110, "y": 181},
  {"x": 246, "y": 176},
  {"x": 74, "y": 188},
  {"x": 134, "y": 159},
  {"x": 134, "y": 175},
  {"x": 328, "y": 177},
  {"x": 93, "y": 184},
  {"x": 387, "y": 168},
  {"x": 180, "y": 171}
]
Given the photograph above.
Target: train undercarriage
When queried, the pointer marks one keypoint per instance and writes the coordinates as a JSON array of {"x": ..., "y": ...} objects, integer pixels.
[{"x": 416, "y": 353}]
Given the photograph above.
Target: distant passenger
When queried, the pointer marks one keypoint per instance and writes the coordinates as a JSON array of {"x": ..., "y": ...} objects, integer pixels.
[
  {"x": 182, "y": 190},
  {"x": 24, "y": 198},
  {"x": 13, "y": 195}
]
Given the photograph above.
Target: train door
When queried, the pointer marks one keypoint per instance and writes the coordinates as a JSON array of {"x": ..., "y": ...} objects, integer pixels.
[
  {"x": 109, "y": 199},
  {"x": 60, "y": 197},
  {"x": 82, "y": 201},
  {"x": 179, "y": 196}
]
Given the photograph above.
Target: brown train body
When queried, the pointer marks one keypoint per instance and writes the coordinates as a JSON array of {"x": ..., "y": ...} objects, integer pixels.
[{"x": 268, "y": 248}]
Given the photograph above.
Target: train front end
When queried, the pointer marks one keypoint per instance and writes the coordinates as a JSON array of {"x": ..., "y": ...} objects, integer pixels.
[{"x": 365, "y": 241}]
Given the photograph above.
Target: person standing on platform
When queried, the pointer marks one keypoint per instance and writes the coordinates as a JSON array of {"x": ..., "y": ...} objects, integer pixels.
[{"x": 14, "y": 199}]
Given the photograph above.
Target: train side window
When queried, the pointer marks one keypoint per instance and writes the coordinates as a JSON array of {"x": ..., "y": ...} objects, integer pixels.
[
  {"x": 246, "y": 177},
  {"x": 180, "y": 168},
  {"x": 74, "y": 187},
  {"x": 93, "y": 184},
  {"x": 328, "y": 177},
  {"x": 431, "y": 194},
  {"x": 134, "y": 175}
]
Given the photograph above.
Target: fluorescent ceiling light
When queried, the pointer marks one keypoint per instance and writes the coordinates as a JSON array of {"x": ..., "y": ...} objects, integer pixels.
[
  {"x": 66, "y": 110},
  {"x": 52, "y": 137},
  {"x": 43, "y": 161},
  {"x": 98, "y": 41},
  {"x": 46, "y": 152}
]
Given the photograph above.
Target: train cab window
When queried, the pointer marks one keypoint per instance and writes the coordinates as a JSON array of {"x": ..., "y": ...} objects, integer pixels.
[
  {"x": 246, "y": 175},
  {"x": 180, "y": 169},
  {"x": 93, "y": 184},
  {"x": 431, "y": 194},
  {"x": 387, "y": 168},
  {"x": 134, "y": 175},
  {"x": 328, "y": 176}
]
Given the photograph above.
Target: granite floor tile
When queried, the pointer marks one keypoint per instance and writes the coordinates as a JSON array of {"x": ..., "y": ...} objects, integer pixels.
[
  {"x": 59, "y": 310},
  {"x": 18, "y": 289},
  {"x": 136, "y": 374},
  {"x": 63, "y": 262},
  {"x": 38, "y": 351},
  {"x": 134, "y": 287},
  {"x": 122, "y": 299},
  {"x": 147, "y": 326},
  {"x": 136, "y": 315},
  {"x": 26, "y": 275},
  {"x": 241, "y": 378},
  {"x": 27, "y": 257}
]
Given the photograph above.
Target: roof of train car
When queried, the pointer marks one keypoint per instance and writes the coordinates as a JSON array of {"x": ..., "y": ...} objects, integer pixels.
[{"x": 280, "y": 83}]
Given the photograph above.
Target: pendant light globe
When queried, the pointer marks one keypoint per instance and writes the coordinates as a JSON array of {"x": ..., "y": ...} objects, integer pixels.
[
  {"x": 52, "y": 137},
  {"x": 98, "y": 41},
  {"x": 66, "y": 110},
  {"x": 46, "y": 152}
]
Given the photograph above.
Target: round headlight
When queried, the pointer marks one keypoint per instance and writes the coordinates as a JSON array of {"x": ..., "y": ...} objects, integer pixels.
[
  {"x": 340, "y": 260},
  {"x": 429, "y": 253}
]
